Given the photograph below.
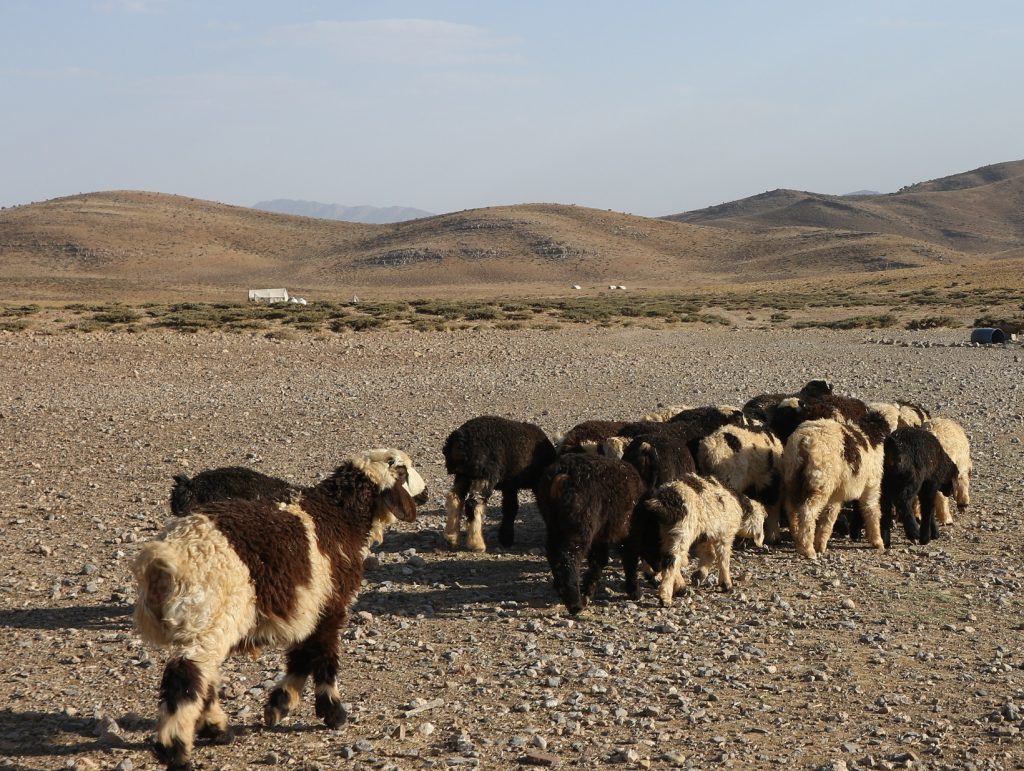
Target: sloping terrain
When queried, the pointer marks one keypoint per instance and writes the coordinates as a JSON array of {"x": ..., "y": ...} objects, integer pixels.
[
  {"x": 151, "y": 246},
  {"x": 977, "y": 212}
]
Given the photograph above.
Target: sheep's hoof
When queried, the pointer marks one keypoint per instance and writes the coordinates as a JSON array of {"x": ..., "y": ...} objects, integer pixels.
[
  {"x": 726, "y": 588},
  {"x": 174, "y": 755},
  {"x": 216, "y": 734},
  {"x": 475, "y": 545},
  {"x": 277, "y": 708},
  {"x": 330, "y": 711},
  {"x": 506, "y": 537},
  {"x": 453, "y": 541}
]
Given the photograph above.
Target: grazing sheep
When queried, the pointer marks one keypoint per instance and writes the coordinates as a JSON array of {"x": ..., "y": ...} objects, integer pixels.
[
  {"x": 787, "y": 415},
  {"x": 663, "y": 414},
  {"x": 748, "y": 461},
  {"x": 588, "y": 436},
  {"x": 187, "y": 495},
  {"x": 690, "y": 426},
  {"x": 693, "y": 508},
  {"x": 659, "y": 457},
  {"x": 238, "y": 575},
  {"x": 912, "y": 414},
  {"x": 247, "y": 484},
  {"x": 758, "y": 407},
  {"x": 484, "y": 454},
  {"x": 915, "y": 470},
  {"x": 826, "y": 463},
  {"x": 954, "y": 441},
  {"x": 900, "y": 414},
  {"x": 587, "y": 502}
]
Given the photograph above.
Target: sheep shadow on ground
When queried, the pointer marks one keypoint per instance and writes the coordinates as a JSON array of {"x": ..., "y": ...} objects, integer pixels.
[
  {"x": 73, "y": 617},
  {"x": 39, "y": 734}
]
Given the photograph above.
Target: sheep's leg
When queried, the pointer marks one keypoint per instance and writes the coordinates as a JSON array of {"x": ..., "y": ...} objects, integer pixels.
[
  {"x": 872, "y": 513},
  {"x": 772, "y": 526},
  {"x": 454, "y": 503},
  {"x": 183, "y": 689},
  {"x": 597, "y": 559},
  {"x": 802, "y": 524},
  {"x": 671, "y": 573},
  {"x": 285, "y": 696},
  {"x": 213, "y": 722},
  {"x": 823, "y": 527},
  {"x": 855, "y": 522},
  {"x": 723, "y": 555},
  {"x": 903, "y": 502},
  {"x": 509, "y": 510},
  {"x": 476, "y": 508},
  {"x": 316, "y": 656},
  {"x": 926, "y": 500},
  {"x": 943, "y": 514},
  {"x": 705, "y": 561},
  {"x": 631, "y": 564}
]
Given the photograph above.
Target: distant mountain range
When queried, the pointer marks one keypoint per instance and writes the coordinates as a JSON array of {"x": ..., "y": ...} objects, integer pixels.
[
  {"x": 376, "y": 215},
  {"x": 976, "y": 212}
]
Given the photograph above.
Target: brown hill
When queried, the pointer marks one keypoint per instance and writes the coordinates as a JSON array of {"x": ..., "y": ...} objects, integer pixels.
[
  {"x": 977, "y": 212},
  {"x": 137, "y": 246}
]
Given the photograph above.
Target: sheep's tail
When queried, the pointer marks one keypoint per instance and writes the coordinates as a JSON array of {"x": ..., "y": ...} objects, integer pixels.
[{"x": 155, "y": 578}]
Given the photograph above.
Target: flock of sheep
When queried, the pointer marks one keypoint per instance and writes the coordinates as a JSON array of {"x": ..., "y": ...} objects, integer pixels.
[{"x": 251, "y": 561}]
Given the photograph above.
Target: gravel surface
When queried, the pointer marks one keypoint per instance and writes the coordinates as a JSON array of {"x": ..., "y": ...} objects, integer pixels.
[{"x": 452, "y": 659}]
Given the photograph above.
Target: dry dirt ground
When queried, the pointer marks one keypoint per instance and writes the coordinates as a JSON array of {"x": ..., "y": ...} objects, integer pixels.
[{"x": 908, "y": 658}]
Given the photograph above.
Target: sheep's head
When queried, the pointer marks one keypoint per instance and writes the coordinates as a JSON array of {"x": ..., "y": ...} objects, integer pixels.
[
  {"x": 390, "y": 470},
  {"x": 752, "y": 523},
  {"x": 732, "y": 415},
  {"x": 414, "y": 483},
  {"x": 815, "y": 388}
]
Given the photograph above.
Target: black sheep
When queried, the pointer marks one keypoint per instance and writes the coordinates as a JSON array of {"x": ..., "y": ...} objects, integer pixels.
[
  {"x": 589, "y": 434},
  {"x": 587, "y": 502},
  {"x": 485, "y": 454},
  {"x": 229, "y": 482},
  {"x": 915, "y": 467},
  {"x": 759, "y": 407},
  {"x": 660, "y": 457}
]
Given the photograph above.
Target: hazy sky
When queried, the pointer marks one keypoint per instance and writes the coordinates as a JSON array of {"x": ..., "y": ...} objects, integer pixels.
[{"x": 639, "y": 106}]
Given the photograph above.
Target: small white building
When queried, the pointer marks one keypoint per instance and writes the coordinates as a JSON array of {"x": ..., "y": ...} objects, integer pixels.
[{"x": 268, "y": 295}]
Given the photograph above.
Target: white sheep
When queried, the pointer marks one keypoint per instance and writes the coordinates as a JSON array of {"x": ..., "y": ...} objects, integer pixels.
[
  {"x": 954, "y": 441},
  {"x": 749, "y": 461},
  {"x": 826, "y": 463},
  {"x": 694, "y": 507}
]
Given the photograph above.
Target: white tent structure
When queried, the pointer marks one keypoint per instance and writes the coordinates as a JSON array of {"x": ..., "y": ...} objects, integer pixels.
[{"x": 268, "y": 295}]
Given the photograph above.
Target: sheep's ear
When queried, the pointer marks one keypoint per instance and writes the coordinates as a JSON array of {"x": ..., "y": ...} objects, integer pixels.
[{"x": 400, "y": 503}]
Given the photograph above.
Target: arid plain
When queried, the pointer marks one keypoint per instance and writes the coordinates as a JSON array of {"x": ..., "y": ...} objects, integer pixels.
[{"x": 128, "y": 358}]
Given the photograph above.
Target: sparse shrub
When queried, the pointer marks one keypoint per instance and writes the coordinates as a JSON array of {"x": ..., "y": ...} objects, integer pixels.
[
  {"x": 932, "y": 322},
  {"x": 117, "y": 316},
  {"x": 777, "y": 317},
  {"x": 14, "y": 325}
]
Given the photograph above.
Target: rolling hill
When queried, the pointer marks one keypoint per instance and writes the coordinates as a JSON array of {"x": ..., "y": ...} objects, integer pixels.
[
  {"x": 976, "y": 212},
  {"x": 140, "y": 246}
]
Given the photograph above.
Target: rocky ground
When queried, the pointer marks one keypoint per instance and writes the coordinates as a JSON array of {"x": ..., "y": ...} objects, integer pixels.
[{"x": 908, "y": 658}]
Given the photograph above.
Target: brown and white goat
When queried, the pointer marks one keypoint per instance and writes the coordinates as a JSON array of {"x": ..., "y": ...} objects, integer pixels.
[
  {"x": 239, "y": 575},
  {"x": 700, "y": 510}
]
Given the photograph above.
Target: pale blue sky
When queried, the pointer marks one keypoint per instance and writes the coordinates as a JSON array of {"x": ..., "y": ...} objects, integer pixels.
[{"x": 641, "y": 106}]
